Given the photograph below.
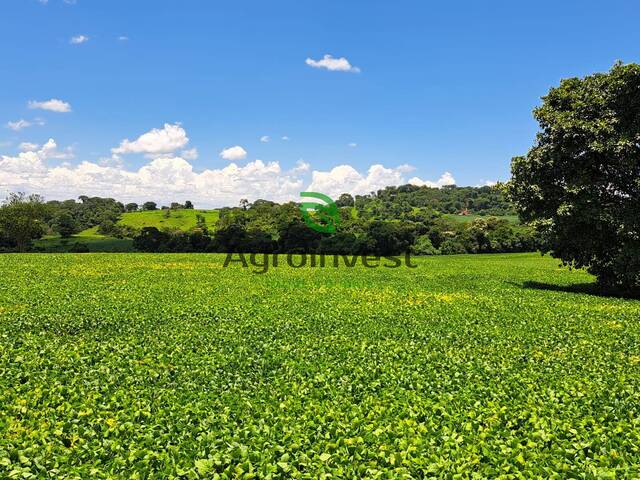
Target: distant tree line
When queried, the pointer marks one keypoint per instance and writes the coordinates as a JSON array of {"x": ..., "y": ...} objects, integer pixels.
[
  {"x": 388, "y": 222},
  {"x": 392, "y": 203},
  {"x": 373, "y": 237}
]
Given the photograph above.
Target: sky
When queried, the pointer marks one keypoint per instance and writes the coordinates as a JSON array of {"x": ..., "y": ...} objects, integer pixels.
[{"x": 215, "y": 101}]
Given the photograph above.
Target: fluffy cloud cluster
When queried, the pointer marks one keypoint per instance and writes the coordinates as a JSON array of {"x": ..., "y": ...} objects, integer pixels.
[
  {"x": 233, "y": 154},
  {"x": 444, "y": 180},
  {"x": 16, "y": 172},
  {"x": 346, "y": 179},
  {"x": 333, "y": 64},
  {"x": 163, "y": 179},
  {"x": 155, "y": 142},
  {"x": 172, "y": 178},
  {"x": 53, "y": 105}
]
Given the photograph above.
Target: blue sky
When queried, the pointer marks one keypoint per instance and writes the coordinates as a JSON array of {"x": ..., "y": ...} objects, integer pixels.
[{"x": 442, "y": 87}]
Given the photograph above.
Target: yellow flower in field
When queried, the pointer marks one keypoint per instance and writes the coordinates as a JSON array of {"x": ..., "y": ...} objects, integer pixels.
[
  {"x": 445, "y": 298},
  {"x": 452, "y": 297},
  {"x": 12, "y": 309}
]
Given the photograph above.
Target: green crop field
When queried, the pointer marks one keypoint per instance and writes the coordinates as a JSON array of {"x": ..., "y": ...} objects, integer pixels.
[
  {"x": 177, "y": 219},
  {"x": 171, "y": 366}
]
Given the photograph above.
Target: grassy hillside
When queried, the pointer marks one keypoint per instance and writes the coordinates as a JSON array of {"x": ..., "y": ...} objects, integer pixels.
[
  {"x": 171, "y": 366},
  {"x": 178, "y": 219},
  {"x": 90, "y": 238},
  {"x": 513, "y": 219}
]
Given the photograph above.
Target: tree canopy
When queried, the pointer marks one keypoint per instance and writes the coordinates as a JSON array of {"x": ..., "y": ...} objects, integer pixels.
[
  {"x": 21, "y": 220},
  {"x": 580, "y": 182}
]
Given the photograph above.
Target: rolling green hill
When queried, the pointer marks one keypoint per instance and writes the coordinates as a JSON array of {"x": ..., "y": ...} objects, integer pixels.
[
  {"x": 176, "y": 219},
  {"x": 89, "y": 238}
]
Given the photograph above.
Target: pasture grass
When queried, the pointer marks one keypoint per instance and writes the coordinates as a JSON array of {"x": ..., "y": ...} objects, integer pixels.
[
  {"x": 89, "y": 238},
  {"x": 184, "y": 219}
]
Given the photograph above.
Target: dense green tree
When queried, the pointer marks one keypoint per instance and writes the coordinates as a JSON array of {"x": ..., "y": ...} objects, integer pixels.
[
  {"x": 188, "y": 205},
  {"x": 22, "y": 220},
  {"x": 89, "y": 212},
  {"x": 390, "y": 238},
  {"x": 64, "y": 224},
  {"x": 259, "y": 242},
  {"x": 580, "y": 182},
  {"x": 150, "y": 239},
  {"x": 131, "y": 207},
  {"x": 340, "y": 243},
  {"x": 453, "y": 246},
  {"x": 423, "y": 246},
  {"x": 345, "y": 200},
  {"x": 149, "y": 206},
  {"x": 297, "y": 237},
  {"x": 230, "y": 239}
]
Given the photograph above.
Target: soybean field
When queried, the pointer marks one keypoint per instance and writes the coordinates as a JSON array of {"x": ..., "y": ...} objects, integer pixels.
[{"x": 172, "y": 366}]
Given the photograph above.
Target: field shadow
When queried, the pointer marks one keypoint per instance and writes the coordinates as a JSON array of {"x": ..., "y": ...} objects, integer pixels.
[{"x": 580, "y": 288}]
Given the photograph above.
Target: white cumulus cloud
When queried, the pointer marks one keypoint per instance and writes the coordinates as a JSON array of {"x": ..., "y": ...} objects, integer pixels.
[
  {"x": 155, "y": 142},
  {"x": 333, "y": 64},
  {"x": 265, "y": 138},
  {"x": 445, "y": 179},
  {"x": 17, "y": 171},
  {"x": 234, "y": 153},
  {"x": 78, "y": 39},
  {"x": 28, "y": 147},
  {"x": 53, "y": 105},
  {"x": 168, "y": 176},
  {"x": 191, "y": 154},
  {"x": 346, "y": 179},
  {"x": 163, "y": 179}
]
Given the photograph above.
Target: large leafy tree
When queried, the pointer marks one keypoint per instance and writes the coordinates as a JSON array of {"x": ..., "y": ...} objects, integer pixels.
[
  {"x": 22, "y": 220},
  {"x": 64, "y": 224},
  {"x": 580, "y": 183}
]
